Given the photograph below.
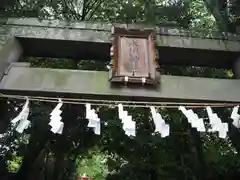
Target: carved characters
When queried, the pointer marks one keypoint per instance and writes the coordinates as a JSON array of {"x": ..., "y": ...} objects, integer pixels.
[
  {"x": 134, "y": 56},
  {"x": 133, "y": 53}
]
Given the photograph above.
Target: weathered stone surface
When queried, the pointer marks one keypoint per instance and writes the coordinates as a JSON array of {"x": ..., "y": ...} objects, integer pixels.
[
  {"x": 198, "y": 43},
  {"x": 104, "y": 37},
  {"x": 10, "y": 50},
  {"x": 94, "y": 84},
  {"x": 3, "y": 36},
  {"x": 58, "y": 24},
  {"x": 99, "y": 32},
  {"x": 107, "y": 27},
  {"x": 61, "y": 34},
  {"x": 86, "y": 40}
]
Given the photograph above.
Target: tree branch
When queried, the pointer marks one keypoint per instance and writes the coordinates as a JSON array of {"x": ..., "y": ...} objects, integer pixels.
[
  {"x": 218, "y": 10},
  {"x": 88, "y": 7},
  {"x": 84, "y": 9},
  {"x": 94, "y": 10}
]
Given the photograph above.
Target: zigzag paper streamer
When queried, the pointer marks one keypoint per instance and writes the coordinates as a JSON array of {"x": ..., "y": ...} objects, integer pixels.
[
  {"x": 236, "y": 117},
  {"x": 55, "y": 119},
  {"x": 22, "y": 118},
  {"x": 160, "y": 125},
  {"x": 217, "y": 125},
  {"x": 193, "y": 119},
  {"x": 94, "y": 120},
  {"x": 129, "y": 126}
]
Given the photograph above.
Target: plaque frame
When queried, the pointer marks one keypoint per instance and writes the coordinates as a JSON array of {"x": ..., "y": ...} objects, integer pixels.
[{"x": 124, "y": 59}]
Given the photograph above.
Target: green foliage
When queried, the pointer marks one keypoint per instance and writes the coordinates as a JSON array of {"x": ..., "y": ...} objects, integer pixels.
[
  {"x": 185, "y": 154},
  {"x": 202, "y": 18},
  {"x": 14, "y": 164},
  {"x": 93, "y": 165}
]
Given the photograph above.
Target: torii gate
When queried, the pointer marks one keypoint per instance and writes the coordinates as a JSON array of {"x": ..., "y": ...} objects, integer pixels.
[{"x": 84, "y": 40}]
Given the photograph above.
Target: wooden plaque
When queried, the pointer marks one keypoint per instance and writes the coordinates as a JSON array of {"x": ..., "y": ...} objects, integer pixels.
[{"x": 134, "y": 56}]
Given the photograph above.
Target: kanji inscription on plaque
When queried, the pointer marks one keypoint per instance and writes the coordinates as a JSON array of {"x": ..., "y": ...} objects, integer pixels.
[
  {"x": 134, "y": 60},
  {"x": 133, "y": 56}
]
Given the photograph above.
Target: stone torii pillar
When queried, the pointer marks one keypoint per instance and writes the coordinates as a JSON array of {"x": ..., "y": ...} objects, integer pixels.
[{"x": 236, "y": 68}]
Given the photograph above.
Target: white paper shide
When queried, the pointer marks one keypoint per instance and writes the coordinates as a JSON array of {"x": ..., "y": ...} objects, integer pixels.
[
  {"x": 216, "y": 124},
  {"x": 129, "y": 126},
  {"x": 93, "y": 119},
  {"x": 235, "y": 117},
  {"x": 22, "y": 118},
  {"x": 193, "y": 119},
  {"x": 55, "y": 119},
  {"x": 160, "y": 125}
]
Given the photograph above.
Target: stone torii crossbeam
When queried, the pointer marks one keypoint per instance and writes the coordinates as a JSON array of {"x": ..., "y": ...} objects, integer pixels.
[{"x": 85, "y": 40}]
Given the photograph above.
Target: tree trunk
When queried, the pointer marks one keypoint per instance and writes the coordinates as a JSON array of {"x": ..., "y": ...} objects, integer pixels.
[{"x": 32, "y": 152}]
